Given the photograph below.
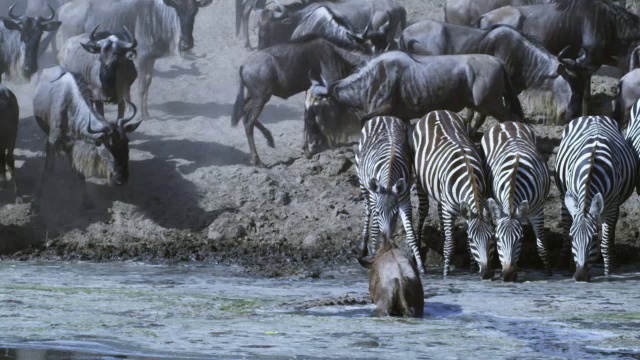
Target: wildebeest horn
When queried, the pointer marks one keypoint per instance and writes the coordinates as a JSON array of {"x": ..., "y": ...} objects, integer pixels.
[
  {"x": 11, "y": 14},
  {"x": 564, "y": 51},
  {"x": 123, "y": 121},
  {"x": 282, "y": 8},
  {"x": 92, "y": 36},
  {"x": 96, "y": 134},
  {"x": 132, "y": 42},
  {"x": 366, "y": 29},
  {"x": 203, "y": 3},
  {"x": 53, "y": 14}
]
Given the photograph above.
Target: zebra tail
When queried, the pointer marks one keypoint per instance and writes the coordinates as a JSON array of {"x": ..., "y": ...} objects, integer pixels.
[
  {"x": 513, "y": 103},
  {"x": 238, "y": 107}
]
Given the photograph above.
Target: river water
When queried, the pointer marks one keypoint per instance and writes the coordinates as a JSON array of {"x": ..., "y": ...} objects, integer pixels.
[{"x": 131, "y": 310}]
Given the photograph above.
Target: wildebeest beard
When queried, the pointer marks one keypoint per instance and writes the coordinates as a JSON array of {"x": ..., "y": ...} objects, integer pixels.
[{"x": 86, "y": 160}]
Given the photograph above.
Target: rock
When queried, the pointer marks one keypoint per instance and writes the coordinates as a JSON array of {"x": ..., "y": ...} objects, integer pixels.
[
  {"x": 214, "y": 235},
  {"x": 282, "y": 198},
  {"x": 311, "y": 240}
]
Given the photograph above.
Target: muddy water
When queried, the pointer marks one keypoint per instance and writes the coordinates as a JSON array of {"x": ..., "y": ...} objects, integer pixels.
[{"x": 82, "y": 310}]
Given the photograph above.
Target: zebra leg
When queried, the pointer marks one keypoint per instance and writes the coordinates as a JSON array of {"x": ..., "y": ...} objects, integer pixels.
[
  {"x": 608, "y": 240},
  {"x": 447, "y": 219},
  {"x": 537, "y": 221},
  {"x": 565, "y": 252},
  {"x": 406, "y": 216},
  {"x": 423, "y": 211},
  {"x": 367, "y": 220}
]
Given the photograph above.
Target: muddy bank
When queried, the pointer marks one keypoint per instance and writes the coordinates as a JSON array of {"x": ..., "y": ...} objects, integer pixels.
[{"x": 192, "y": 195}]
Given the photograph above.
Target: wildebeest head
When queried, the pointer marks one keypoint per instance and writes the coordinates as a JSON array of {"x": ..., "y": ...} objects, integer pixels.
[
  {"x": 115, "y": 49},
  {"x": 31, "y": 30},
  {"x": 112, "y": 146},
  {"x": 186, "y": 10},
  {"x": 575, "y": 71},
  {"x": 274, "y": 26}
]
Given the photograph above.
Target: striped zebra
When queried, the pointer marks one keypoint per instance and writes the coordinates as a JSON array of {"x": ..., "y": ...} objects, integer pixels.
[
  {"x": 595, "y": 172},
  {"x": 633, "y": 130},
  {"x": 384, "y": 170},
  {"x": 449, "y": 169},
  {"x": 520, "y": 183}
]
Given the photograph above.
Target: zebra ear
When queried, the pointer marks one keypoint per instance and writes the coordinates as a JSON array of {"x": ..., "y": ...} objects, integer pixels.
[
  {"x": 400, "y": 187},
  {"x": 523, "y": 209},
  {"x": 374, "y": 185},
  {"x": 571, "y": 203},
  {"x": 597, "y": 205},
  {"x": 494, "y": 209}
]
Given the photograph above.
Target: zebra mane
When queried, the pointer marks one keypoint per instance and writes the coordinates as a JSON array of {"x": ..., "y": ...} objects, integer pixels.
[
  {"x": 392, "y": 156},
  {"x": 587, "y": 185}
]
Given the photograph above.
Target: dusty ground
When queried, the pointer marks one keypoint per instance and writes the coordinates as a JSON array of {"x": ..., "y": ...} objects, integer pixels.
[{"x": 192, "y": 194}]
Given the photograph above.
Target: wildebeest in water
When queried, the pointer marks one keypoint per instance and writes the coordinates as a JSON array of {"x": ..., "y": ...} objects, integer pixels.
[
  {"x": 161, "y": 27},
  {"x": 95, "y": 147}
]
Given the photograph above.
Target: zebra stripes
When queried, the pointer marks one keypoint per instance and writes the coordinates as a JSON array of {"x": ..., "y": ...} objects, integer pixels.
[
  {"x": 595, "y": 172},
  {"x": 384, "y": 170},
  {"x": 449, "y": 169},
  {"x": 519, "y": 180}
]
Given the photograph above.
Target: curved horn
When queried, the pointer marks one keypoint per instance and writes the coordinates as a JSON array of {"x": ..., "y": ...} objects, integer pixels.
[
  {"x": 96, "y": 134},
  {"x": 366, "y": 29},
  {"x": 282, "y": 8},
  {"x": 12, "y": 15},
  {"x": 92, "y": 36},
  {"x": 563, "y": 53},
  {"x": 53, "y": 14},
  {"x": 132, "y": 41},
  {"x": 123, "y": 121}
]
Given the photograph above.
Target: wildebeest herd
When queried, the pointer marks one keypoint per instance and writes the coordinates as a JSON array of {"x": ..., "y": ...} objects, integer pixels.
[{"x": 399, "y": 86}]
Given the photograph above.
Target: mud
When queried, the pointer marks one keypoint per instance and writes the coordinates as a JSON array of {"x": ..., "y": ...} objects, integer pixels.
[{"x": 192, "y": 195}]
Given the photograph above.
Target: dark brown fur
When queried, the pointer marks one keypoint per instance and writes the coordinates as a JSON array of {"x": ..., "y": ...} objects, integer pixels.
[
  {"x": 9, "y": 115},
  {"x": 394, "y": 283}
]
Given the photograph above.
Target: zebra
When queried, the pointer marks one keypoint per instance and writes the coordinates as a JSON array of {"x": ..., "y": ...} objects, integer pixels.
[
  {"x": 384, "y": 169},
  {"x": 520, "y": 183},
  {"x": 596, "y": 173},
  {"x": 450, "y": 170},
  {"x": 633, "y": 132}
]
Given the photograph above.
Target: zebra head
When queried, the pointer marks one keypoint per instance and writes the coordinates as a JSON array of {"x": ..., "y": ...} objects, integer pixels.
[
  {"x": 584, "y": 233},
  {"x": 509, "y": 236},
  {"x": 386, "y": 205},
  {"x": 480, "y": 233}
]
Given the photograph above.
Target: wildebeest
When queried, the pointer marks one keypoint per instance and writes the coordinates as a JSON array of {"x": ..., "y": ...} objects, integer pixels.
[
  {"x": 394, "y": 283},
  {"x": 244, "y": 8},
  {"x": 283, "y": 70},
  {"x": 20, "y": 40},
  {"x": 379, "y": 17},
  {"x": 530, "y": 65},
  {"x": 62, "y": 108},
  {"x": 628, "y": 95},
  {"x": 104, "y": 59},
  {"x": 408, "y": 86},
  {"x": 9, "y": 116},
  {"x": 466, "y": 12},
  {"x": 605, "y": 30},
  {"x": 160, "y": 26}
]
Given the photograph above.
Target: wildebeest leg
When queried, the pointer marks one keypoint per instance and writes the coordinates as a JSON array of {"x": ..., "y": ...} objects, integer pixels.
[
  {"x": 248, "y": 8},
  {"x": 86, "y": 201},
  {"x": 266, "y": 133},
  {"x": 121, "y": 109},
  {"x": 145, "y": 74},
  {"x": 478, "y": 124},
  {"x": 11, "y": 164},
  {"x": 468, "y": 119},
  {"x": 49, "y": 160},
  {"x": 249, "y": 121}
]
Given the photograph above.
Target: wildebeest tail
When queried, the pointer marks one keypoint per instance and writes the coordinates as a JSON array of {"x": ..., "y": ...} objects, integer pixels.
[
  {"x": 238, "y": 107},
  {"x": 510, "y": 96},
  {"x": 239, "y": 12}
]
